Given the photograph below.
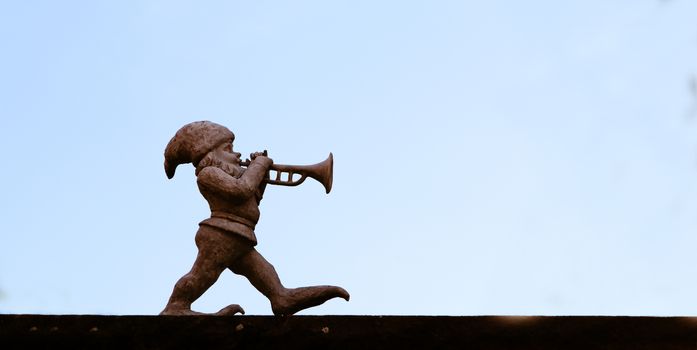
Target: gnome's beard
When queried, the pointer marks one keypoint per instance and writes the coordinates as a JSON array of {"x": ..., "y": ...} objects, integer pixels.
[{"x": 231, "y": 169}]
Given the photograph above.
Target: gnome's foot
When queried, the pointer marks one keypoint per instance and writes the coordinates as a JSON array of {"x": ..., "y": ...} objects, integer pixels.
[
  {"x": 172, "y": 311},
  {"x": 296, "y": 299},
  {"x": 230, "y": 310},
  {"x": 226, "y": 311}
]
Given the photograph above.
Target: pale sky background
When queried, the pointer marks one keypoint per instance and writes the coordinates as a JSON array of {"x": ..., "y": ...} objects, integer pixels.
[{"x": 491, "y": 157}]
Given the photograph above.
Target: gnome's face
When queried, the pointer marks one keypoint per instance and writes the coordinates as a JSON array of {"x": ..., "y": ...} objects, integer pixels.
[
  {"x": 227, "y": 155},
  {"x": 227, "y": 159}
]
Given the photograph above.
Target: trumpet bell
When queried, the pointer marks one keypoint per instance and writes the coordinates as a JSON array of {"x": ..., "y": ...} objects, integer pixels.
[{"x": 323, "y": 172}]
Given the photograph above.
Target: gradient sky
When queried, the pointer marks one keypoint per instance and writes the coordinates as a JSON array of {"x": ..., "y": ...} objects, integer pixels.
[{"x": 491, "y": 157}]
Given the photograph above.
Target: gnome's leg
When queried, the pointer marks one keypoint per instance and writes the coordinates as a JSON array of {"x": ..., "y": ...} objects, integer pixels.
[
  {"x": 215, "y": 251},
  {"x": 284, "y": 301},
  {"x": 192, "y": 285}
]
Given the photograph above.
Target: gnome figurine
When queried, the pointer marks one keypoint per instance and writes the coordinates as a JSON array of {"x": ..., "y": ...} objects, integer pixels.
[{"x": 226, "y": 240}]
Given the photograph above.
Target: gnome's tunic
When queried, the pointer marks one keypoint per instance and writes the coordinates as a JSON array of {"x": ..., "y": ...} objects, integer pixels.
[{"x": 234, "y": 202}]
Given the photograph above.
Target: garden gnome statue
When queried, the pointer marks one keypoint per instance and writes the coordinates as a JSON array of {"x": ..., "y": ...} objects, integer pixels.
[{"x": 226, "y": 240}]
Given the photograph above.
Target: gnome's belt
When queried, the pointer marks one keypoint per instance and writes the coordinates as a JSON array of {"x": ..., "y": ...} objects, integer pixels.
[{"x": 233, "y": 217}]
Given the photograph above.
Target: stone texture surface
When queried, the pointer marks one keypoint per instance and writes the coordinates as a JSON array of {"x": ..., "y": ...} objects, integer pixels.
[{"x": 347, "y": 332}]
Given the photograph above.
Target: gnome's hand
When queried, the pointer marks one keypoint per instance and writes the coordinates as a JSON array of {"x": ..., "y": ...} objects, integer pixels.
[
  {"x": 252, "y": 156},
  {"x": 261, "y": 157}
]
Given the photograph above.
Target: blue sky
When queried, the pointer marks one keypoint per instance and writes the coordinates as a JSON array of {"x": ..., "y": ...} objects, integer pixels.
[{"x": 491, "y": 157}]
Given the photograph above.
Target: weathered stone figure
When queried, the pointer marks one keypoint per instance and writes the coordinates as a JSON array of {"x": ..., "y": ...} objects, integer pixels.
[{"x": 226, "y": 240}]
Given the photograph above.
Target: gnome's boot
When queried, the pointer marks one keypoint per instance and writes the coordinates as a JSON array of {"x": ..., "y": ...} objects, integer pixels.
[
  {"x": 230, "y": 310},
  {"x": 293, "y": 300}
]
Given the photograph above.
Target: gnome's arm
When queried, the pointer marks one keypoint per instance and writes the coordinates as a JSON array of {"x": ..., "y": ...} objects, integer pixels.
[{"x": 216, "y": 180}]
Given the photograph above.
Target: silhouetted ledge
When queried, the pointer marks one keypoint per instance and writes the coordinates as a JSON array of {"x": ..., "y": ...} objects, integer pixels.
[{"x": 347, "y": 332}]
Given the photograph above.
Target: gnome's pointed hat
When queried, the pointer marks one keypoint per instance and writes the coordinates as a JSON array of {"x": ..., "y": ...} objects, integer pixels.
[{"x": 192, "y": 142}]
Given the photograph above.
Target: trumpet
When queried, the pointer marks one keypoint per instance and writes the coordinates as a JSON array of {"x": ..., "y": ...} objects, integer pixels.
[{"x": 322, "y": 172}]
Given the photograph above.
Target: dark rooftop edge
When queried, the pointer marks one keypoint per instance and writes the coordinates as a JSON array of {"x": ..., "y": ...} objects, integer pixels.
[{"x": 348, "y": 332}]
